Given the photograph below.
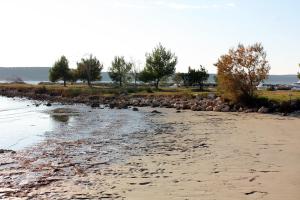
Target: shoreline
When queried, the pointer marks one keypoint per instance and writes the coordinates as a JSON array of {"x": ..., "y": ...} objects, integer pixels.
[
  {"x": 207, "y": 102},
  {"x": 207, "y": 155}
]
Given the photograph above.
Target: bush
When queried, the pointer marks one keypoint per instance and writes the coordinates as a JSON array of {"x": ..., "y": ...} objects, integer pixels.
[
  {"x": 41, "y": 90},
  {"x": 240, "y": 72},
  {"x": 73, "y": 92}
]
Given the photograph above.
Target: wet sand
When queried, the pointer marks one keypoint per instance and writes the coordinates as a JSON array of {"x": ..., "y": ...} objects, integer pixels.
[{"x": 192, "y": 155}]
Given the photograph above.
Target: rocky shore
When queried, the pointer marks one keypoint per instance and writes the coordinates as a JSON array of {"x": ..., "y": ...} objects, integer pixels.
[{"x": 179, "y": 102}]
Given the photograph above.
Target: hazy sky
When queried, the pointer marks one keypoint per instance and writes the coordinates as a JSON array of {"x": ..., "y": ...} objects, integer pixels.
[{"x": 37, "y": 32}]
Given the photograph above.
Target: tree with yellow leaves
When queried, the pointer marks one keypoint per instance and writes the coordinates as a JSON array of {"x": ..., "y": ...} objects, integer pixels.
[{"x": 241, "y": 70}]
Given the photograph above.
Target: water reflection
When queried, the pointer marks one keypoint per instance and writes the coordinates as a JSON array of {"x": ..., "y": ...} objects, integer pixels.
[
  {"x": 22, "y": 125},
  {"x": 61, "y": 118},
  {"x": 63, "y": 114}
]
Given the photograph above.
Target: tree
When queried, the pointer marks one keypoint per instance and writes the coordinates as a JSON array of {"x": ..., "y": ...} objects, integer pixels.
[
  {"x": 177, "y": 78},
  {"x": 241, "y": 70},
  {"x": 119, "y": 70},
  {"x": 89, "y": 69},
  {"x": 60, "y": 70},
  {"x": 198, "y": 76},
  {"x": 159, "y": 64},
  {"x": 74, "y": 75},
  {"x": 135, "y": 72}
]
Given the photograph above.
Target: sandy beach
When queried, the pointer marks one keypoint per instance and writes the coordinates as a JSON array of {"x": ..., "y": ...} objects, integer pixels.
[{"x": 199, "y": 155}]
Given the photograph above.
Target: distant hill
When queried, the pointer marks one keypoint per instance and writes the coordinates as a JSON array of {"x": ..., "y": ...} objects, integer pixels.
[
  {"x": 25, "y": 73},
  {"x": 32, "y": 74},
  {"x": 41, "y": 74}
]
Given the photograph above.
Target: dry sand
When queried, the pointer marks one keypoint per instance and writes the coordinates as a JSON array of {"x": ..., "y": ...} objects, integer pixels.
[{"x": 206, "y": 155}]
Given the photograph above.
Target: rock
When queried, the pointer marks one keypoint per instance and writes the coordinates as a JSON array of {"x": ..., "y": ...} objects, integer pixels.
[
  {"x": 123, "y": 106},
  {"x": 185, "y": 106},
  {"x": 155, "y": 104},
  {"x": 94, "y": 98},
  {"x": 225, "y": 108},
  {"x": 135, "y": 109},
  {"x": 155, "y": 111},
  {"x": 6, "y": 151},
  {"x": 178, "y": 111},
  {"x": 249, "y": 110},
  {"x": 95, "y": 105},
  {"x": 209, "y": 108},
  {"x": 211, "y": 96},
  {"x": 194, "y": 108},
  {"x": 48, "y": 104},
  {"x": 218, "y": 108},
  {"x": 263, "y": 110}
]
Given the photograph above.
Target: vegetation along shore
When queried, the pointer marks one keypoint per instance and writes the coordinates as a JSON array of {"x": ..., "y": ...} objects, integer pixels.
[{"x": 240, "y": 71}]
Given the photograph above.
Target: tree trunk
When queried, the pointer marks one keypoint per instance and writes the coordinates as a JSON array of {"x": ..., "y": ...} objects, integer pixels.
[
  {"x": 65, "y": 84},
  {"x": 89, "y": 83},
  {"x": 157, "y": 83},
  {"x": 201, "y": 86}
]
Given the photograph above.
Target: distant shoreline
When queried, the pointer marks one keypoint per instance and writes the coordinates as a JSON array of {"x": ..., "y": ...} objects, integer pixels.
[{"x": 40, "y": 74}]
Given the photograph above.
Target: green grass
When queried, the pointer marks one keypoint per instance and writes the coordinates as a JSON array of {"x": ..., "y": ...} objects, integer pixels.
[
  {"x": 280, "y": 96},
  {"x": 82, "y": 89}
]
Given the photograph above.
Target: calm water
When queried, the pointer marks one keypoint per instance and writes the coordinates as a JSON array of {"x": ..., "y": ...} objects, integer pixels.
[{"x": 23, "y": 124}]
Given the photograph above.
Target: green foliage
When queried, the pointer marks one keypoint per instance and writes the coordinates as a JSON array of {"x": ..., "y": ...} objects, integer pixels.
[
  {"x": 159, "y": 64},
  {"x": 60, "y": 70},
  {"x": 198, "y": 76},
  {"x": 119, "y": 70},
  {"x": 74, "y": 75},
  {"x": 89, "y": 70}
]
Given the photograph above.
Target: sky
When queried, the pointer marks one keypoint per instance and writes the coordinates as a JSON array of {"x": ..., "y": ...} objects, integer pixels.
[{"x": 35, "y": 33}]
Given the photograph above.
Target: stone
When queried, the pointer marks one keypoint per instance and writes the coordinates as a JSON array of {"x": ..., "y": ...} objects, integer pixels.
[
  {"x": 155, "y": 111},
  {"x": 225, "y": 108},
  {"x": 194, "y": 108},
  {"x": 263, "y": 110},
  {"x": 218, "y": 108},
  {"x": 249, "y": 110},
  {"x": 135, "y": 109},
  {"x": 48, "y": 104},
  {"x": 209, "y": 108},
  {"x": 95, "y": 105}
]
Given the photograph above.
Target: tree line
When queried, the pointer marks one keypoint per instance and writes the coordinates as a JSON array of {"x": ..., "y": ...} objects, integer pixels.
[
  {"x": 160, "y": 65},
  {"x": 238, "y": 72}
]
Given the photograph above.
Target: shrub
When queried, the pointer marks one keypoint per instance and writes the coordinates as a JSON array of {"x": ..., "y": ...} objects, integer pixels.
[{"x": 240, "y": 72}]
